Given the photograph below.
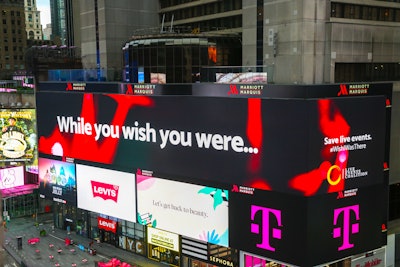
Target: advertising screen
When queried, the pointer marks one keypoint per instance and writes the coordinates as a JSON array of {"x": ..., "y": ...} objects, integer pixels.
[
  {"x": 202, "y": 210},
  {"x": 11, "y": 177},
  {"x": 307, "y": 231},
  {"x": 245, "y": 77},
  {"x": 57, "y": 180},
  {"x": 163, "y": 239},
  {"x": 298, "y": 146},
  {"x": 106, "y": 191},
  {"x": 18, "y": 136}
]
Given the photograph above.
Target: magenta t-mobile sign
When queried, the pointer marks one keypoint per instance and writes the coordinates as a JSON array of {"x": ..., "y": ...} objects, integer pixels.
[
  {"x": 348, "y": 228},
  {"x": 344, "y": 231},
  {"x": 307, "y": 231},
  {"x": 265, "y": 228}
]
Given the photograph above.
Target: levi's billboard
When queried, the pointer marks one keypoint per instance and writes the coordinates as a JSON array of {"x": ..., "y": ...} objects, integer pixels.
[
  {"x": 298, "y": 146},
  {"x": 106, "y": 224},
  {"x": 106, "y": 191}
]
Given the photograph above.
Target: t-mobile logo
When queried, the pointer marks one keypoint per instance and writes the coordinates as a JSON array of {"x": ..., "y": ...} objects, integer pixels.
[
  {"x": 348, "y": 228},
  {"x": 265, "y": 228}
]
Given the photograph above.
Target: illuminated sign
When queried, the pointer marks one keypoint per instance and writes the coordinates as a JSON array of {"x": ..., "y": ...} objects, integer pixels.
[
  {"x": 111, "y": 192},
  {"x": 163, "y": 239},
  {"x": 108, "y": 225}
]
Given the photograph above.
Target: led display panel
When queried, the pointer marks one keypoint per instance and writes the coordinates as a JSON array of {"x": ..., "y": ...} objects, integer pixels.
[
  {"x": 306, "y": 231},
  {"x": 297, "y": 168},
  {"x": 106, "y": 191},
  {"x": 11, "y": 177},
  {"x": 329, "y": 144},
  {"x": 196, "y": 211},
  {"x": 57, "y": 180},
  {"x": 18, "y": 136}
]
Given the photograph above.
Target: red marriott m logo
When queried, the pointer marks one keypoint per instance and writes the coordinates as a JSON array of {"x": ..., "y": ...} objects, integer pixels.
[
  {"x": 129, "y": 89},
  {"x": 69, "y": 87},
  {"x": 343, "y": 90},
  {"x": 233, "y": 90}
]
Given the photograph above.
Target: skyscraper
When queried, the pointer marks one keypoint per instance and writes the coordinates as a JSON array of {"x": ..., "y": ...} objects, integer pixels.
[
  {"x": 13, "y": 36},
  {"x": 58, "y": 21},
  {"x": 323, "y": 41},
  {"x": 32, "y": 18}
]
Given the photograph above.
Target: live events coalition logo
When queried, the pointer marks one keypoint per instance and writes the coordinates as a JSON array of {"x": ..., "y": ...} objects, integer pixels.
[
  {"x": 335, "y": 174},
  {"x": 342, "y": 228},
  {"x": 105, "y": 191}
]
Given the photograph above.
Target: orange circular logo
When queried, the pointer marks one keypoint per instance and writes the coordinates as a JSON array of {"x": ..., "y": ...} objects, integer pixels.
[{"x": 329, "y": 175}]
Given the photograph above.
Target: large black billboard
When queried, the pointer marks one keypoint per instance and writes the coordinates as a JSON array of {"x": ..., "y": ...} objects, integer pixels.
[
  {"x": 298, "y": 146},
  {"x": 305, "y": 169}
]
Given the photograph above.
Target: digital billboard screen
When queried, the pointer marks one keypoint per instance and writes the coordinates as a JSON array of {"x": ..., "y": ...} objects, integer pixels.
[
  {"x": 18, "y": 136},
  {"x": 106, "y": 191},
  {"x": 329, "y": 144},
  {"x": 11, "y": 177},
  {"x": 307, "y": 231},
  {"x": 202, "y": 210},
  {"x": 57, "y": 180}
]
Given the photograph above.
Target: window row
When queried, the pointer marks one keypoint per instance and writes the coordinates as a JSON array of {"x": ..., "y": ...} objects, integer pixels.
[
  {"x": 12, "y": 13},
  {"x": 363, "y": 12},
  {"x": 203, "y": 10},
  {"x": 366, "y": 72},
  {"x": 212, "y": 25},
  {"x": 12, "y": 22},
  {"x": 12, "y": 31},
  {"x": 14, "y": 48},
  {"x": 8, "y": 67},
  {"x": 14, "y": 40}
]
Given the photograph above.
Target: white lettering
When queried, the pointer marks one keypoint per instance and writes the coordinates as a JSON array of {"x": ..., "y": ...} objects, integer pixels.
[{"x": 105, "y": 191}]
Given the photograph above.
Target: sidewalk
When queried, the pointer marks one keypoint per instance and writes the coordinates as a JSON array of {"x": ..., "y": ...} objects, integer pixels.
[{"x": 45, "y": 252}]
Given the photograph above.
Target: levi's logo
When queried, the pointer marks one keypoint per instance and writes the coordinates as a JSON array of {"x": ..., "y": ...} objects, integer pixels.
[
  {"x": 107, "y": 225},
  {"x": 105, "y": 191}
]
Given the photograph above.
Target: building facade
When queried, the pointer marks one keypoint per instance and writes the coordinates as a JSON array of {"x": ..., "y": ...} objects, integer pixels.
[
  {"x": 202, "y": 16},
  {"x": 312, "y": 42},
  {"x": 106, "y": 25},
  {"x": 13, "y": 36},
  {"x": 58, "y": 21},
  {"x": 32, "y": 21},
  {"x": 195, "y": 57}
]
